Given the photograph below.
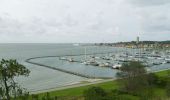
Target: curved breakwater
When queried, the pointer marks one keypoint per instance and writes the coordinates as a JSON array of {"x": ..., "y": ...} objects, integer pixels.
[
  {"x": 66, "y": 71},
  {"x": 87, "y": 75}
]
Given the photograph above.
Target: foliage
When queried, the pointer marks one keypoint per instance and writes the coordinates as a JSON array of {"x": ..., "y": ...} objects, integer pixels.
[
  {"x": 113, "y": 91},
  {"x": 168, "y": 89},
  {"x": 9, "y": 69},
  {"x": 95, "y": 93},
  {"x": 133, "y": 77},
  {"x": 136, "y": 81},
  {"x": 48, "y": 97},
  {"x": 152, "y": 79}
]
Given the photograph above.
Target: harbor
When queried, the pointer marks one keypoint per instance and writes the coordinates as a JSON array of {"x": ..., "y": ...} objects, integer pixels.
[
  {"x": 104, "y": 65},
  {"x": 84, "y": 50},
  {"x": 57, "y": 57}
]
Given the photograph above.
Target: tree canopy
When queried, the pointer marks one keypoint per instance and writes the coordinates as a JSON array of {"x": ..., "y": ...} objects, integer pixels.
[
  {"x": 133, "y": 77},
  {"x": 9, "y": 69}
]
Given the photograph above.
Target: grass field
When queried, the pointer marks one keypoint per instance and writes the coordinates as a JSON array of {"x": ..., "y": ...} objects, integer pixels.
[
  {"x": 108, "y": 86},
  {"x": 163, "y": 73},
  {"x": 78, "y": 91}
]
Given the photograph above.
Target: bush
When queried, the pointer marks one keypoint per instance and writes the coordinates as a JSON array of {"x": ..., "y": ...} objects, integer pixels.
[
  {"x": 95, "y": 93},
  {"x": 35, "y": 97},
  {"x": 48, "y": 97},
  {"x": 162, "y": 82},
  {"x": 168, "y": 89},
  {"x": 152, "y": 79}
]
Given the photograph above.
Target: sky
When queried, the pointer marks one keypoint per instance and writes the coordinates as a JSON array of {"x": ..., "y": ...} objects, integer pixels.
[{"x": 83, "y": 21}]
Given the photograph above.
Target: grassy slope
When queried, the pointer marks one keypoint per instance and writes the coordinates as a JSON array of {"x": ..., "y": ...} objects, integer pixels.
[
  {"x": 78, "y": 91},
  {"x": 163, "y": 73}
]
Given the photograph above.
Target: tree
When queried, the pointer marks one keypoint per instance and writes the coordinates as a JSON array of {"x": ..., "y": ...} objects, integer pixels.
[
  {"x": 9, "y": 69},
  {"x": 48, "y": 97},
  {"x": 95, "y": 93},
  {"x": 168, "y": 89},
  {"x": 132, "y": 77}
]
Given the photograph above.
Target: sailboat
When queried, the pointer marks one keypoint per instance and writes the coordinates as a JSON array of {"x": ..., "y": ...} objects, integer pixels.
[
  {"x": 117, "y": 66},
  {"x": 76, "y": 44},
  {"x": 91, "y": 61}
]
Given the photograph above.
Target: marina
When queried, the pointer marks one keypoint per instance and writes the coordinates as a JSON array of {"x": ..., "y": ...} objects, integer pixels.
[
  {"x": 88, "y": 62},
  {"x": 84, "y": 50},
  {"x": 102, "y": 65}
]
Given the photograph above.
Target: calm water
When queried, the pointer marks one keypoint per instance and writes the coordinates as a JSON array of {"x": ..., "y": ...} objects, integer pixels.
[{"x": 43, "y": 78}]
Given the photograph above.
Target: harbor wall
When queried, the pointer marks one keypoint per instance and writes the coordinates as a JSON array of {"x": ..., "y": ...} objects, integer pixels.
[{"x": 63, "y": 70}]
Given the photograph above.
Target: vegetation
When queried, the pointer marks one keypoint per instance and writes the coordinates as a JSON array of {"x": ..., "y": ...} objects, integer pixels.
[
  {"x": 145, "y": 42},
  {"x": 132, "y": 72},
  {"x": 154, "y": 87},
  {"x": 78, "y": 91},
  {"x": 9, "y": 69},
  {"x": 95, "y": 93},
  {"x": 134, "y": 83},
  {"x": 141, "y": 44}
]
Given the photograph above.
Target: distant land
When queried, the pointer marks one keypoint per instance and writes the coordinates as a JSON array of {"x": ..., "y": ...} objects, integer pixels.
[{"x": 140, "y": 44}]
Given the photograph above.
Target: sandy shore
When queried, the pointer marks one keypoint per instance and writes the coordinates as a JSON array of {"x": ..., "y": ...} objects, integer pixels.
[
  {"x": 81, "y": 83},
  {"x": 73, "y": 85}
]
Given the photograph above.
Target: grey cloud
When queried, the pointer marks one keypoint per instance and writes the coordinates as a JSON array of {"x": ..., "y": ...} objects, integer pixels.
[
  {"x": 77, "y": 20},
  {"x": 148, "y": 2},
  {"x": 13, "y": 28},
  {"x": 155, "y": 21}
]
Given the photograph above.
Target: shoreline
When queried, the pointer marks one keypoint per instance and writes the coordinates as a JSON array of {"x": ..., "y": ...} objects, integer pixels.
[
  {"x": 63, "y": 70},
  {"x": 73, "y": 85},
  {"x": 90, "y": 80},
  {"x": 80, "y": 84}
]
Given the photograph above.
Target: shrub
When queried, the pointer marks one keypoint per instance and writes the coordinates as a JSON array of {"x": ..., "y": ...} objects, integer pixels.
[{"x": 95, "y": 93}]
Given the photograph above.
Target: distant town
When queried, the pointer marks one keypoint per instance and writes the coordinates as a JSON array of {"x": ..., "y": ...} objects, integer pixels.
[{"x": 139, "y": 44}]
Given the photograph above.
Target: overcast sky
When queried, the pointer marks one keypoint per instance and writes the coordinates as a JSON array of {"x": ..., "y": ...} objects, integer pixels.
[{"x": 83, "y": 20}]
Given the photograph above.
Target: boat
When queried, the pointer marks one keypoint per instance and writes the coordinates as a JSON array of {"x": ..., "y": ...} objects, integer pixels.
[
  {"x": 168, "y": 51},
  {"x": 91, "y": 62},
  {"x": 76, "y": 44},
  {"x": 156, "y": 63},
  {"x": 71, "y": 60},
  {"x": 161, "y": 58},
  {"x": 117, "y": 66},
  {"x": 150, "y": 57},
  {"x": 63, "y": 58},
  {"x": 122, "y": 60},
  {"x": 94, "y": 63},
  {"x": 164, "y": 62},
  {"x": 102, "y": 65},
  {"x": 106, "y": 58},
  {"x": 97, "y": 57},
  {"x": 85, "y": 63},
  {"x": 108, "y": 64},
  {"x": 167, "y": 60}
]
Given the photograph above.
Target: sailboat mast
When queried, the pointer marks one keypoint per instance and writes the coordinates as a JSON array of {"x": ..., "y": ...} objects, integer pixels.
[{"x": 85, "y": 52}]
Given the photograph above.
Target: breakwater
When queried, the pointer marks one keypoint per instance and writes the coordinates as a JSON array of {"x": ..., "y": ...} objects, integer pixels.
[{"x": 63, "y": 70}]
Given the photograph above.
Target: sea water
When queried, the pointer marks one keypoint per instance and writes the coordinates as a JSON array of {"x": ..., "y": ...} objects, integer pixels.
[{"x": 42, "y": 78}]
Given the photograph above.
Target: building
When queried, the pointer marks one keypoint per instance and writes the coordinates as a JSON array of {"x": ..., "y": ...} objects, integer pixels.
[{"x": 137, "y": 40}]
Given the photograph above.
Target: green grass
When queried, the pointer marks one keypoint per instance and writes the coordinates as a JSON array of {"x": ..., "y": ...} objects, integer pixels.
[
  {"x": 159, "y": 92},
  {"x": 163, "y": 73},
  {"x": 128, "y": 97},
  {"x": 78, "y": 91}
]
